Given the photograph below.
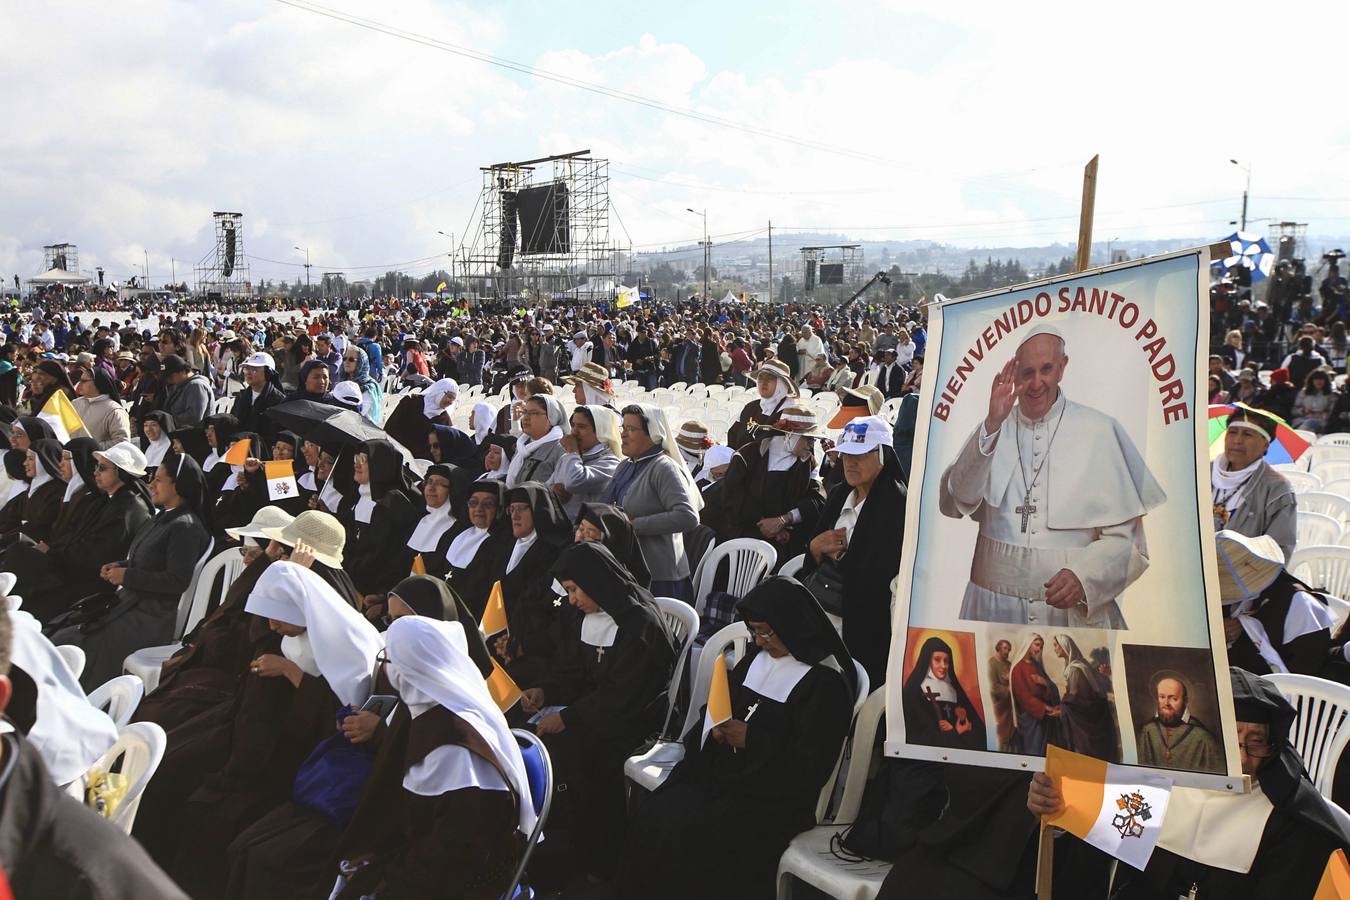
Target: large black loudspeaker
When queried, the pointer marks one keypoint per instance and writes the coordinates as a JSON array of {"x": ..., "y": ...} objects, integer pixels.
[
  {"x": 810, "y": 279},
  {"x": 228, "y": 268},
  {"x": 506, "y": 249},
  {"x": 544, "y": 226},
  {"x": 831, "y": 273}
]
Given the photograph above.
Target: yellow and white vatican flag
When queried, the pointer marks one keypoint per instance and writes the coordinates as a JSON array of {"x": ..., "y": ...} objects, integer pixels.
[
  {"x": 494, "y": 614},
  {"x": 280, "y": 479},
  {"x": 503, "y": 689},
  {"x": 719, "y": 699},
  {"x": 60, "y": 413},
  {"x": 1118, "y": 810},
  {"x": 1335, "y": 884}
]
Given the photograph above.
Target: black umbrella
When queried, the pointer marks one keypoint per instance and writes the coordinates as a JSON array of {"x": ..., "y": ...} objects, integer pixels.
[{"x": 324, "y": 424}]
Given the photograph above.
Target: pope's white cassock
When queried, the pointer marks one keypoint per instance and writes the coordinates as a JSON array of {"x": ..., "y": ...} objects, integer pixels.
[{"x": 1083, "y": 512}]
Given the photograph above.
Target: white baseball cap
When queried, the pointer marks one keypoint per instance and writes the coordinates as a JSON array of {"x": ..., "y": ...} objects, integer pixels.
[
  {"x": 863, "y": 435},
  {"x": 263, "y": 360}
]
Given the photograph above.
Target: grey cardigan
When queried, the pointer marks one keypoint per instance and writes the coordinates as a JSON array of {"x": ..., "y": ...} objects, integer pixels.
[
  {"x": 1268, "y": 507},
  {"x": 540, "y": 465},
  {"x": 662, "y": 510},
  {"x": 585, "y": 475}
]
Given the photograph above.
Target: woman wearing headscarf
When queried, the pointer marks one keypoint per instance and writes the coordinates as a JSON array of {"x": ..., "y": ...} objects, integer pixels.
[
  {"x": 1087, "y": 715},
  {"x": 605, "y": 524},
  {"x": 192, "y": 442},
  {"x": 288, "y": 853},
  {"x": 16, "y": 494},
  {"x": 411, "y": 420},
  {"x": 77, "y": 470},
  {"x": 54, "y": 576},
  {"x": 540, "y": 529},
  {"x": 747, "y": 786},
  {"x": 1035, "y": 699},
  {"x": 27, "y": 429},
  {"x": 48, "y": 377},
  {"x": 653, "y": 487},
  {"x": 327, "y": 651},
  {"x": 313, "y": 383},
  {"x": 221, "y": 432},
  {"x": 543, "y": 424},
  {"x": 156, "y": 428},
  {"x": 478, "y": 552},
  {"x": 447, "y": 445},
  {"x": 445, "y": 491},
  {"x": 610, "y": 674},
  {"x": 776, "y": 387},
  {"x": 149, "y": 385},
  {"x": 100, "y": 407},
  {"x": 356, "y": 369},
  {"x": 591, "y": 453},
  {"x": 379, "y": 513},
  {"x": 482, "y": 421},
  {"x": 46, "y": 490},
  {"x": 149, "y": 582},
  {"x": 938, "y": 711}
]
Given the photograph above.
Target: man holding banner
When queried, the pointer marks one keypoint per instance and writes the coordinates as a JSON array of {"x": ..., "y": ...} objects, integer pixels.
[{"x": 1059, "y": 492}]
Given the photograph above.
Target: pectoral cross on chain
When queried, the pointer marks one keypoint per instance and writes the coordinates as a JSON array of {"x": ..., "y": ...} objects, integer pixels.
[
  {"x": 599, "y": 654},
  {"x": 751, "y": 711},
  {"x": 1026, "y": 511}
]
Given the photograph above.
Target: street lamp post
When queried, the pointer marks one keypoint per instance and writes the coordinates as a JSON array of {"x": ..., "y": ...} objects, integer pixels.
[
  {"x": 305, "y": 250},
  {"x": 451, "y": 254},
  {"x": 1245, "y": 191},
  {"x": 707, "y": 249}
]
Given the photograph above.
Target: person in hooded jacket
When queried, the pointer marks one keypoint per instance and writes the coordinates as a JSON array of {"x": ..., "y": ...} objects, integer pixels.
[
  {"x": 379, "y": 511},
  {"x": 149, "y": 582},
  {"x": 610, "y": 676},
  {"x": 46, "y": 490},
  {"x": 541, "y": 529},
  {"x": 747, "y": 786},
  {"x": 475, "y": 555},
  {"x": 53, "y": 576}
]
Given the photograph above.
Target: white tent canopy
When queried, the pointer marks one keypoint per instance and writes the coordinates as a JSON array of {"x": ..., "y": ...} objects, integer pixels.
[
  {"x": 58, "y": 276},
  {"x": 731, "y": 298}
]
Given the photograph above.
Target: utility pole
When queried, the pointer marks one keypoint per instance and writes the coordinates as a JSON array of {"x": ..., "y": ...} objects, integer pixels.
[
  {"x": 707, "y": 249},
  {"x": 306, "y": 252},
  {"x": 147, "y": 270},
  {"x": 771, "y": 262},
  {"x": 1246, "y": 190},
  {"x": 451, "y": 254},
  {"x": 173, "y": 270}
]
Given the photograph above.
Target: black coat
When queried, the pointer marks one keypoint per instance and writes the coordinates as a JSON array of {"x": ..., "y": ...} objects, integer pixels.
[{"x": 250, "y": 412}]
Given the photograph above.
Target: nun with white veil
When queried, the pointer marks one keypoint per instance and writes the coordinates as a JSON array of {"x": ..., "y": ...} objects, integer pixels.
[
  {"x": 543, "y": 424},
  {"x": 454, "y": 824},
  {"x": 412, "y": 419}
]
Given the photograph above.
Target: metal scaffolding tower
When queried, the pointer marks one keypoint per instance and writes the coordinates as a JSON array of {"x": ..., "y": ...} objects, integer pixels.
[
  {"x": 223, "y": 272},
  {"x": 831, "y": 273}
]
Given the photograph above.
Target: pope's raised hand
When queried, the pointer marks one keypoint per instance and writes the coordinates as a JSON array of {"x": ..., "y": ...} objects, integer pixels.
[{"x": 1002, "y": 395}]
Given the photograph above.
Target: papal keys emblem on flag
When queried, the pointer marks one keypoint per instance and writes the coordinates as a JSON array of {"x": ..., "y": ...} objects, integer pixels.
[{"x": 1134, "y": 812}]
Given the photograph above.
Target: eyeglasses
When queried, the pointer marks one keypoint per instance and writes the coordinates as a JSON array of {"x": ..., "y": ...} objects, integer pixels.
[
  {"x": 517, "y": 508},
  {"x": 532, "y": 412},
  {"x": 631, "y": 429},
  {"x": 482, "y": 504},
  {"x": 763, "y": 634},
  {"x": 104, "y": 467},
  {"x": 1257, "y": 749}
]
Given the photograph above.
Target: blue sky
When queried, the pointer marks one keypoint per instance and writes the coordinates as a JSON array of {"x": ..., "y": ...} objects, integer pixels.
[{"x": 975, "y": 118}]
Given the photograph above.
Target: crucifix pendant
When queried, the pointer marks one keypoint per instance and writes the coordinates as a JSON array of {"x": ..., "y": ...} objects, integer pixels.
[
  {"x": 599, "y": 654},
  {"x": 751, "y": 711},
  {"x": 1026, "y": 511}
]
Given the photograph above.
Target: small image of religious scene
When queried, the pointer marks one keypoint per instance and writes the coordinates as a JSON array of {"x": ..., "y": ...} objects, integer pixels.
[
  {"x": 941, "y": 696},
  {"x": 1174, "y": 707},
  {"x": 1053, "y": 687}
]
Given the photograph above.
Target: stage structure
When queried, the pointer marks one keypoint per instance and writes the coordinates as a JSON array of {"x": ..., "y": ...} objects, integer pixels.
[
  {"x": 223, "y": 272},
  {"x": 831, "y": 273},
  {"x": 543, "y": 229},
  {"x": 61, "y": 257}
]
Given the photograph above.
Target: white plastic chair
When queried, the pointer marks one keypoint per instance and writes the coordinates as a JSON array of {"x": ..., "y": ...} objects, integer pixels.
[
  {"x": 1324, "y": 567},
  {"x": 1320, "y": 731},
  {"x": 1331, "y": 469},
  {"x": 790, "y": 568},
  {"x": 147, "y": 662},
  {"x": 1340, "y": 487},
  {"x": 73, "y": 657},
  {"x": 809, "y": 858},
  {"x": 539, "y": 770},
  {"x": 1317, "y": 528},
  {"x": 143, "y": 744},
  {"x": 1324, "y": 502},
  {"x": 683, "y": 622},
  {"x": 118, "y": 697},
  {"x": 1340, "y": 439},
  {"x": 1301, "y": 481},
  {"x": 1322, "y": 453},
  {"x": 749, "y": 560}
]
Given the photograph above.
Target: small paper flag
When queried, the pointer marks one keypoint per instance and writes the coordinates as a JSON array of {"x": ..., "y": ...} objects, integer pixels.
[
  {"x": 1335, "y": 884},
  {"x": 60, "y": 413},
  {"x": 719, "y": 698},
  {"x": 329, "y": 495},
  {"x": 1118, "y": 810},
  {"x": 504, "y": 691},
  {"x": 280, "y": 475},
  {"x": 238, "y": 452},
  {"x": 494, "y": 616},
  {"x": 419, "y": 566}
]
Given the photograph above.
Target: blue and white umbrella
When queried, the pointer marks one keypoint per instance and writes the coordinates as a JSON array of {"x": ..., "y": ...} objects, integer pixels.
[{"x": 1250, "y": 251}]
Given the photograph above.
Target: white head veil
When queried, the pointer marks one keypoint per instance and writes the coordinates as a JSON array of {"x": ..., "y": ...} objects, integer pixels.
[
  {"x": 484, "y": 420},
  {"x": 607, "y": 424},
  {"x": 658, "y": 429},
  {"x": 343, "y": 641},
  {"x": 429, "y": 663},
  {"x": 432, "y": 396}
]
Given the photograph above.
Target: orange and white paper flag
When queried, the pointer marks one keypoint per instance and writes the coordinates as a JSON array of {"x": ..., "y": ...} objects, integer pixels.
[
  {"x": 280, "y": 478},
  {"x": 419, "y": 565},
  {"x": 719, "y": 699},
  {"x": 503, "y": 689},
  {"x": 494, "y": 616},
  {"x": 1118, "y": 810},
  {"x": 1335, "y": 883},
  {"x": 238, "y": 453}
]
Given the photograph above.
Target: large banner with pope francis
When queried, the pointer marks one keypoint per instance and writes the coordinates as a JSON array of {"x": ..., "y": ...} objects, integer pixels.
[{"x": 1057, "y": 585}]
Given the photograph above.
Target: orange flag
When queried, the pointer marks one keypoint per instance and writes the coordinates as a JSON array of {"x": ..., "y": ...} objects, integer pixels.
[
  {"x": 419, "y": 567},
  {"x": 494, "y": 617},
  {"x": 719, "y": 697},
  {"x": 503, "y": 690},
  {"x": 238, "y": 452},
  {"x": 1335, "y": 884}
]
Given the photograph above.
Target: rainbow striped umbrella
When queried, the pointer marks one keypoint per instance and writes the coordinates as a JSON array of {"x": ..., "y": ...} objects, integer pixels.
[{"x": 1285, "y": 448}]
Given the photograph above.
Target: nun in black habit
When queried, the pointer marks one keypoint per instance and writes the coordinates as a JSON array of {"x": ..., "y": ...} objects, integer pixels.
[
  {"x": 11, "y": 509},
  {"x": 192, "y": 442},
  {"x": 610, "y": 675},
  {"x": 27, "y": 429},
  {"x": 541, "y": 529},
  {"x": 46, "y": 489},
  {"x": 379, "y": 511},
  {"x": 938, "y": 712},
  {"x": 718, "y": 825},
  {"x": 221, "y": 432},
  {"x": 608, "y": 525},
  {"x": 77, "y": 468},
  {"x": 477, "y": 553},
  {"x": 445, "y": 491},
  {"x": 157, "y": 429}
]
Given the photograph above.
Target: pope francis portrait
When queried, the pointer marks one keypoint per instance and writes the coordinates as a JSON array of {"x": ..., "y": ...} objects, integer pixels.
[{"x": 1059, "y": 492}]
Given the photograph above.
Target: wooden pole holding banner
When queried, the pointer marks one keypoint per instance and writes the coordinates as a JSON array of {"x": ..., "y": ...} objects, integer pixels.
[{"x": 1085, "y": 216}]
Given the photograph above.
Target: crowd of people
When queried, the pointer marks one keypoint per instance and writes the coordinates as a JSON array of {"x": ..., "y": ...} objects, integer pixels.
[{"x": 331, "y": 731}]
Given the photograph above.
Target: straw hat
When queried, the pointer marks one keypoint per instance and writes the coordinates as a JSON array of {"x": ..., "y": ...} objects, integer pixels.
[
  {"x": 693, "y": 436},
  {"x": 778, "y": 369},
  {"x": 594, "y": 375},
  {"x": 267, "y": 517},
  {"x": 800, "y": 420},
  {"x": 1247, "y": 565},
  {"x": 320, "y": 530},
  {"x": 864, "y": 400}
]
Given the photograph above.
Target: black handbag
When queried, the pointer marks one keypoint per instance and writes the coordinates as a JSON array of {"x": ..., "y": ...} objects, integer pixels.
[
  {"x": 902, "y": 798},
  {"x": 826, "y": 584},
  {"x": 90, "y": 614}
]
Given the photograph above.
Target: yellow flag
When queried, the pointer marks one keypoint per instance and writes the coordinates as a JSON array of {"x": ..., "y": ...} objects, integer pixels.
[
  {"x": 60, "y": 413},
  {"x": 719, "y": 697},
  {"x": 419, "y": 567},
  {"x": 238, "y": 452},
  {"x": 494, "y": 617},
  {"x": 1335, "y": 884},
  {"x": 503, "y": 690}
]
